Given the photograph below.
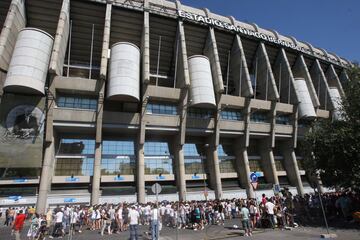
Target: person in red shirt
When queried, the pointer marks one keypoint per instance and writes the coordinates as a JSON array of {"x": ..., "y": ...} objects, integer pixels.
[
  {"x": 18, "y": 224},
  {"x": 263, "y": 199}
]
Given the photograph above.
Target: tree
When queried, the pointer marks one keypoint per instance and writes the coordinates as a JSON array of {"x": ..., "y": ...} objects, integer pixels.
[{"x": 332, "y": 147}]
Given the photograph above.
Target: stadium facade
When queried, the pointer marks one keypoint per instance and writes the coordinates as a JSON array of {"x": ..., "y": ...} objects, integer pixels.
[{"x": 102, "y": 99}]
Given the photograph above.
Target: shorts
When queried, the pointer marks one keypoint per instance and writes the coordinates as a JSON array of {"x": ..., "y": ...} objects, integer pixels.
[{"x": 245, "y": 224}]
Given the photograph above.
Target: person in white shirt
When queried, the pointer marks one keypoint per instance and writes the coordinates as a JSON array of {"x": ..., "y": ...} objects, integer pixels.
[
  {"x": 147, "y": 211},
  {"x": 155, "y": 216},
  {"x": 182, "y": 213},
  {"x": 134, "y": 222},
  {"x": 58, "y": 224},
  {"x": 119, "y": 218},
  {"x": 97, "y": 219},
  {"x": 228, "y": 210},
  {"x": 74, "y": 218},
  {"x": 162, "y": 211},
  {"x": 93, "y": 218},
  {"x": 270, "y": 211}
]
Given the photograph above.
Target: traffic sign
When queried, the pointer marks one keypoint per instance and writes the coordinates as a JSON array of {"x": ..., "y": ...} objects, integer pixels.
[
  {"x": 253, "y": 177},
  {"x": 156, "y": 188}
]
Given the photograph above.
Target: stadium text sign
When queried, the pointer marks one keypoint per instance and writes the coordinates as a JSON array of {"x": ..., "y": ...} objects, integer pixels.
[{"x": 248, "y": 32}]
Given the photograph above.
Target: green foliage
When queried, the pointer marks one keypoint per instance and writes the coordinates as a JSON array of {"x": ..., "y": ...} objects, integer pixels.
[{"x": 332, "y": 148}]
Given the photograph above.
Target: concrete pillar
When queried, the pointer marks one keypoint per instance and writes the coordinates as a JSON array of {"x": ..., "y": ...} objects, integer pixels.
[
  {"x": 145, "y": 45},
  {"x": 106, "y": 42},
  {"x": 61, "y": 39},
  {"x": 240, "y": 149},
  {"x": 211, "y": 51},
  {"x": 243, "y": 169},
  {"x": 297, "y": 176},
  {"x": 14, "y": 22},
  {"x": 239, "y": 67},
  {"x": 291, "y": 167},
  {"x": 95, "y": 193},
  {"x": 46, "y": 176},
  {"x": 333, "y": 79},
  {"x": 285, "y": 79},
  {"x": 273, "y": 172},
  {"x": 180, "y": 172},
  {"x": 183, "y": 81},
  {"x": 96, "y": 180},
  {"x": 214, "y": 170},
  {"x": 322, "y": 88},
  {"x": 49, "y": 153},
  {"x": 266, "y": 147},
  {"x": 140, "y": 174},
  {"x": 268, "y": 163},
  {"x": 266, "y": 150},
  {"x": 266, "y": 85}
]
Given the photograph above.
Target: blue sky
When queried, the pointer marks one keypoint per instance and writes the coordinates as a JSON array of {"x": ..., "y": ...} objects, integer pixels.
[{"x": 330, "y": 24}]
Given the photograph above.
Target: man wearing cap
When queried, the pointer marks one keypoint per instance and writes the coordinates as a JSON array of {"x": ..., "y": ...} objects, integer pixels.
[{"x": 134, "y": 221}]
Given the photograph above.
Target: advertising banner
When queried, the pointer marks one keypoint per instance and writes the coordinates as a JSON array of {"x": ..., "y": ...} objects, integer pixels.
[{"x": 22, "y": 122}]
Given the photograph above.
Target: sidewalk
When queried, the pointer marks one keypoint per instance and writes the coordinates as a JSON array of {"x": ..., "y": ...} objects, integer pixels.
[{"x": 209, "y": 233}]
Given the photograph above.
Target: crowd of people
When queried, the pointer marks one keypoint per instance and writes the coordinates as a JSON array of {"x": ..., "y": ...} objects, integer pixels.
[{"x": 278, "y": 211}]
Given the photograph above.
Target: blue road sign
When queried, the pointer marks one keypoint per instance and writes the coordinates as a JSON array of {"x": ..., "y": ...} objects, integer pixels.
[
  {"x": 15, "y": 198},
  {"x": 72, "y": 179},
  {"x": 119, "y": 178},
  {"x": 69, "y": 200},
  {"x": 253, "y": 177},
  {"x": 160, "y": 177},
  {"x": 20, "y": 180}
]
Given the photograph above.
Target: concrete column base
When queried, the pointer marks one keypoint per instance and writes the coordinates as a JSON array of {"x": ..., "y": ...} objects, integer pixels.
[
  {"x": 214, "y": 170},
  {"x": 141, "y": 174},
  {"x": 45, "y": 179},
  {"x": 181, "y": 182},
  {"x": 95, "y": 193}
]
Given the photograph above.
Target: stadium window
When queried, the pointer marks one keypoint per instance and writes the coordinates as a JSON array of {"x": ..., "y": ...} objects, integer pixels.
[
  {"x": 194, "y": 159},
  {"x": 234, "y": 115},
  {"x": 157, "y": 158},
  {"x": 226, "y": 158},
  {"x": 79, "y": 102},
  {"x": 259, "y": 117},
  {"x": 200, "y": 113},
  {"x": 283, "y": 119},
  {"x": 118, "y": 157},
  {"x": 161, "y": 108},
  {"x": 75, "y": 156}
]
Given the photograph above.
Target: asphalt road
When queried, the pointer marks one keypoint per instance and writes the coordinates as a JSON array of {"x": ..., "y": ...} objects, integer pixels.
[{"x": 211, "y": 233}]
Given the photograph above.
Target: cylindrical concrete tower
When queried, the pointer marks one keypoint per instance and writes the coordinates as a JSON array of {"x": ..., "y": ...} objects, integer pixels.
[
  {"x": 336, "y": 101},
  {"x": 306, "y": 107},
  {"x": 124, "y": 72},
  {"x": 201, "y": 83},
  {"x": 29, "y": 64}
]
